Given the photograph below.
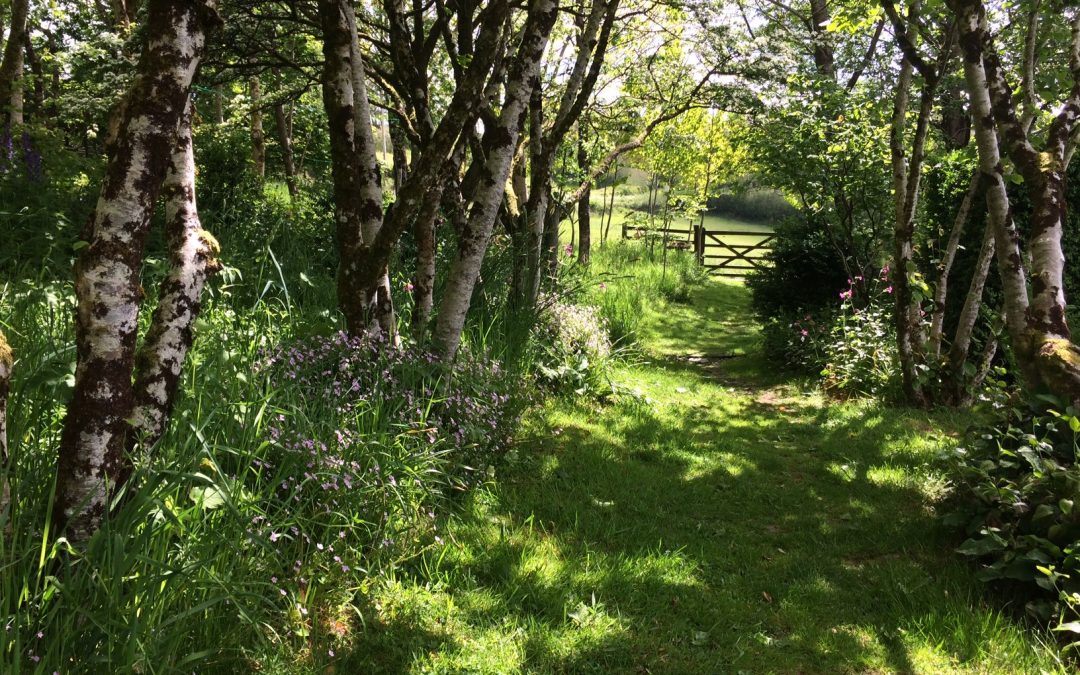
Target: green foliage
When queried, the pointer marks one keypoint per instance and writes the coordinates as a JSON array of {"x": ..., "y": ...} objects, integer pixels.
[
  {"x": 1016, "y": 480},
  {"x": 826, "y": 148},
  {"x": 795, "y": 296},
  {"x": 756, "y": 205}
]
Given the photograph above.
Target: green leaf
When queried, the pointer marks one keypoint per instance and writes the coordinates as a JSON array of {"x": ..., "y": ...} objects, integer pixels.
[
  {"x": 209, "y": 498},
  {"x": 982, "y": 545}
]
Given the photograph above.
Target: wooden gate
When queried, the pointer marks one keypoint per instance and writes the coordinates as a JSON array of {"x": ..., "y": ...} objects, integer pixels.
[
  {"x": 728, "y": 253},
  {"x": 731, "y": 253}
]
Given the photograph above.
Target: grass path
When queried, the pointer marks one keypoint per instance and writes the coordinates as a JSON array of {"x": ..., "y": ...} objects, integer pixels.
[{"x": 717, "y": 521}]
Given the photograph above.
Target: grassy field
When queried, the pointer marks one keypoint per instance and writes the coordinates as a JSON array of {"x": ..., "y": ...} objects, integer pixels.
[{"x": 711, "y": 519}]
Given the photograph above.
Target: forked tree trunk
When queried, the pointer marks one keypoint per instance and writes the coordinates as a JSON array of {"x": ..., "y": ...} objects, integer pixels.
[
  {"x": 11, "y": 66},
  {"x": 907, "y": 178},
  {"x": 258, "y": 138},
  {"x": 593, "y": 36},
  {"x": 6, "y": 362},
  {"x": 357, "y": 179},
  {"x": 1006, "y": 236},
  {"x": 1042, "y": 340},
  {"x": 473, "y": 241},
  {"x": 92, "y": 463},
  {"x": 192, "y": 259},
  {"x": 284, "y": 129}
]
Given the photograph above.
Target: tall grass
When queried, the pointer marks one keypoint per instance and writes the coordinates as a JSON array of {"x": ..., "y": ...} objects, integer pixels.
[
  {"x": 252, "y": 533},
  {"x": 626, "y": 275}
]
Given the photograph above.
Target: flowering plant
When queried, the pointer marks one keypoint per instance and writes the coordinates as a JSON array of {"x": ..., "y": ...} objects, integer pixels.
[
  {"x": 861, "y": 358},
  {"x": 575, "y": 345}
]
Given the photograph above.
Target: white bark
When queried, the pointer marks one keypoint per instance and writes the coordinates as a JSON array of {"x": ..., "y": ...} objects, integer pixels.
[
  {"x": 92, "y": 462},
  {"x": 465, "y": 271},
  {"x": 1007, "y": 238},
  {"x": 192, "y": 258},
  {"x": 965, "y": 326}
]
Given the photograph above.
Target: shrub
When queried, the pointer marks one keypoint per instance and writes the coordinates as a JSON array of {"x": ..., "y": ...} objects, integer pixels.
[
  {"x": 1016, "y": 484},
  {"x": 800, "y": 341},
  {"x": 576, "y": 348},
  {"x": 804, "y": 276}
]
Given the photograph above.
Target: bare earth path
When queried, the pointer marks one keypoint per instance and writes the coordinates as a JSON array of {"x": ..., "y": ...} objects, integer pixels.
[{"x": 713, "y": 519}]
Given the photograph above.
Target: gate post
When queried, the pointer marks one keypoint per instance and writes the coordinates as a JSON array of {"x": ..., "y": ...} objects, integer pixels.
[{"x": 699, "y": 244}]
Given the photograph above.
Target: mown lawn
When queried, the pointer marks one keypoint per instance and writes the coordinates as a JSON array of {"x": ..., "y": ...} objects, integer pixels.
[{"x": 713, "y": 519}]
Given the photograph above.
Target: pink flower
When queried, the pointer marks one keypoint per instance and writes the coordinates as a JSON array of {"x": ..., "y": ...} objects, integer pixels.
[
  {"x": 409, "y": 287},
  {"x": 888, "y": 289},
  {"x": 804, "y": 332},
  {"x": 845, "y": 295},
  {"x": 569, "y": 250}
]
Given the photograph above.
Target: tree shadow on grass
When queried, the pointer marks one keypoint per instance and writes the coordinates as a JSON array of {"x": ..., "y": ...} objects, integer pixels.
[
  {"x": 722, "y": 532},
  {"x": 795, "y": 542}
]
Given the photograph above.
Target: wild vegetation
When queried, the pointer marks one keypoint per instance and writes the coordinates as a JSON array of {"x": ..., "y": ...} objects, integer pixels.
[{"x": 382, "y": 337}]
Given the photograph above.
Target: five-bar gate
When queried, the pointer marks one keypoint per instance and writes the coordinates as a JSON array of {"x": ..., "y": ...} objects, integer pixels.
[{"x": 730, "y": 253}]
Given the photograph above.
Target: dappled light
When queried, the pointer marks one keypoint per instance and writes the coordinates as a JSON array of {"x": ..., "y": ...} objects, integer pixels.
[{"x": 708, "y": 523}]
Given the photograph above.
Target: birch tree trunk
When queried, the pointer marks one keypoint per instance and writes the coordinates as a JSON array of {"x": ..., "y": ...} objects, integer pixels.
[
  {"x": 11, "y": 65},
  {"x": 258, "y": 138},
  {"x": 91, "y": 461},
  {"x": 961, "y": 344},
  {"x": 357, "y": 178},
  {"x": 424, "y": 279},
  {"x": 192, "y": 259},
  {"x": 1045, "y": 348},
  {"x": 1006, "y": 236},
  {"x": 363, "y": 283},
  {"x": 521, "y": 82}
]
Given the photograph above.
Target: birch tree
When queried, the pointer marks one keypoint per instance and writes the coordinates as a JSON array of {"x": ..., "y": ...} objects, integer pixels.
[
  {"x": 92, "y": 459},
  {"x": 1039, "y": 333},
  {"x": 500, "y": 144},
  {"x": 11, "y": 65}
]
